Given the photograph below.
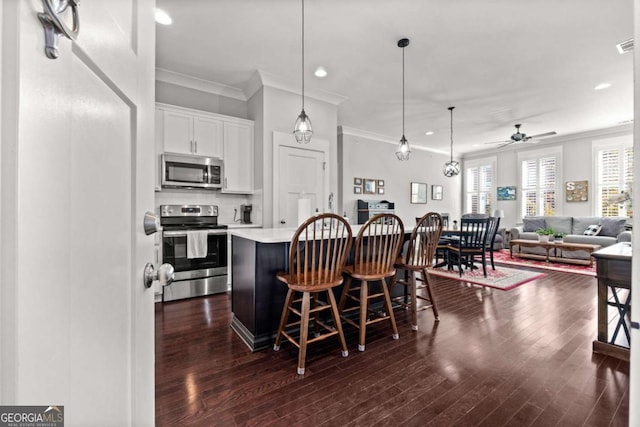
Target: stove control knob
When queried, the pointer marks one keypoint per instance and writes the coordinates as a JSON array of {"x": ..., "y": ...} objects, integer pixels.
[{"x": 210, "y": 210}]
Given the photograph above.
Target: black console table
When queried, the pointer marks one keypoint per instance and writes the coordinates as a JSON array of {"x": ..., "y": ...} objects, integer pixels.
[{"x": 613, "y": 265}]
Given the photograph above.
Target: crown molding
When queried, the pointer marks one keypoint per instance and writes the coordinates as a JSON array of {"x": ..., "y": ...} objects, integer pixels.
[
  {"x": 346, "y": 130},
  {"x": 199, "y": 84},
  {"x": 262, "y": 78}
]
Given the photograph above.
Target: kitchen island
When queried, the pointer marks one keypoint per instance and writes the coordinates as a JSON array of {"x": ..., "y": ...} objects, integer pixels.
[{"x": 257, "y": 297}]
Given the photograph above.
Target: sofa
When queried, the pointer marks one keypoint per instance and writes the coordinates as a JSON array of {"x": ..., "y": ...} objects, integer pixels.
[{"x": 611, "y": 230}]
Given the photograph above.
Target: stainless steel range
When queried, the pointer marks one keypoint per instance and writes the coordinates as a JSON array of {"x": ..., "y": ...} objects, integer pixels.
[{"x": 196, "y": 246}]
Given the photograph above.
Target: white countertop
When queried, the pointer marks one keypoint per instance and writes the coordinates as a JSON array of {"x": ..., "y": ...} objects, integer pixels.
[
  {"x": 240, "y": 225},
  {"x": 275, "y": 235}
]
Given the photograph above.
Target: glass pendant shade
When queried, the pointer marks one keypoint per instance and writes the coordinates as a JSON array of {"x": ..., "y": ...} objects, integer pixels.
[
  {"x": 451, "y": 168},
  {"x": 403, "y": 152},
  {"x": 303, "y": 129}
]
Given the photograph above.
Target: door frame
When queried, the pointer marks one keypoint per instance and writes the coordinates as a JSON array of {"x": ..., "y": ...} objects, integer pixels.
[{"x": 281, "y": 139}]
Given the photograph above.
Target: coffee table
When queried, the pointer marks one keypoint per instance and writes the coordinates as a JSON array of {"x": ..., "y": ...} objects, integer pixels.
[{"x": 521, "y": 243}]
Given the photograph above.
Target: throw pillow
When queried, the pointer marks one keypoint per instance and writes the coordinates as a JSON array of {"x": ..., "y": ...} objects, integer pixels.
[
  {"x": 612, "y": 226},
  {"x": 533, "y": 223},
  {"x": 592, "y": 230}
]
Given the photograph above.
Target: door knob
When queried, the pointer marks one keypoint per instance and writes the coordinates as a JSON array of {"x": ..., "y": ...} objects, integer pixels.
[
  {"x": 282, "y": 221},
  {"x": 151, "y": 223},
  {"x": 164, "y": 274}
]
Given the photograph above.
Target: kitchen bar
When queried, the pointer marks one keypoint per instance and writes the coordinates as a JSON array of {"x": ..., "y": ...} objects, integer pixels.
[{"x": 257, "y": 296}]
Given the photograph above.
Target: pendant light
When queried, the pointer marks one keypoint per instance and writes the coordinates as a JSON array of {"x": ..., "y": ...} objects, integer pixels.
[
  {"x": 403, "y": 150},
  {"x": 303, "y": 129},
  {"x": 451, "y": 168}
]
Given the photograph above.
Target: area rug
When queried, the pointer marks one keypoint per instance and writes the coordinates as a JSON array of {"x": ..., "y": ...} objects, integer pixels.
[
  {"x": 503, "y": 278},
  {"x": 502, "y": 257}
]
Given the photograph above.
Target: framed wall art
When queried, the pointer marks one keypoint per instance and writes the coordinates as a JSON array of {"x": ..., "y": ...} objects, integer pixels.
[
  {"x": 436, "y": 192},
  {"x": 357, "y": 181},
  {"x": 418, "y": 192},
  {"x": 370, "y": 186},
  {"x": 576, "y": 191},
  {"x": 507, "y": 193},
  {"x": 357, "y": 190}
]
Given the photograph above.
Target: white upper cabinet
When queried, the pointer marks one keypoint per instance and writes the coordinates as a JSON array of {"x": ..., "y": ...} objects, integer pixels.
[
  {"x": 238, "y": 158},
  {"x": 207, "y": 136},
  {"x": 187, "y": 133}
]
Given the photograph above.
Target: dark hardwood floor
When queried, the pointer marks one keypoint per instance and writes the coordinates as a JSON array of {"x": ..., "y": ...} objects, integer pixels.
[{"x": 520, "y": 357}]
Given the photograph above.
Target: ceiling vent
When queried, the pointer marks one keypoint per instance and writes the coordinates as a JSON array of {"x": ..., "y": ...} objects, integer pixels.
[{"x": 625, "y": 46}]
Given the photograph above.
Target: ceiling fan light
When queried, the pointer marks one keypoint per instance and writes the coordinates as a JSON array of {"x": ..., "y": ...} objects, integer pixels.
[
  {"x": 404, "y": 151},
  {"x": 451, "y": 169},
  {"x": 303, "y": 129}
]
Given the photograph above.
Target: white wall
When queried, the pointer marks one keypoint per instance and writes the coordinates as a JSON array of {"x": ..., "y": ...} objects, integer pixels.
[
  {"x": 363, "y": 157},
  {"x": 577, "y": 164}
]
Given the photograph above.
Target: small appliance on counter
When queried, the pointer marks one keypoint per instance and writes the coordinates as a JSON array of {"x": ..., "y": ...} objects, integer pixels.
[
  {"x": 369, "y": 208},
  {"x": 196, "y": 245},
  {"x": 245, "y": 213}
]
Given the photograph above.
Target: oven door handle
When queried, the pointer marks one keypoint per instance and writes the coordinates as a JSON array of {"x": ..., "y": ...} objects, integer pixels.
[{"x": 184, "y": 233}]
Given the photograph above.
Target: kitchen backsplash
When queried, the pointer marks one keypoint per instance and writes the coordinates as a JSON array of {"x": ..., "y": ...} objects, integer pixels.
[{"x": 226, "y": 202}]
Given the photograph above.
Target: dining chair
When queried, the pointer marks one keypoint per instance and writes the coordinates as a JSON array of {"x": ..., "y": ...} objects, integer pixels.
[
  {"x": 375, "y": 250},
  {"x": 317, "y": 255},
  {"x": 492, "y": 230},
  {"x": 416, "y": 259},
  {"x": 472, "y": 241}
]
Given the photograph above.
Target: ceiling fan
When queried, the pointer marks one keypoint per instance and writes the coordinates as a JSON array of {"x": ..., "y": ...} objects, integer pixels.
[{"x": 520, "y": 137}]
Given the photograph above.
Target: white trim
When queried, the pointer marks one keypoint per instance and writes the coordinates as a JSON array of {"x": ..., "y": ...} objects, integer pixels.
[
  {"x": 202, "y": 85},
  {"x": 621, "y": 142},
  {"x": 546, "y": 152},
  {"x": 350, "y": 131},
  {"x": 262, "y": 78},
  {"x": 472, "y": 163}
]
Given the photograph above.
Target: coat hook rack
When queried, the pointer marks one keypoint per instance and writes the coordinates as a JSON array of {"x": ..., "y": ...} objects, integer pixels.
[{"x": 54, "y": 26}]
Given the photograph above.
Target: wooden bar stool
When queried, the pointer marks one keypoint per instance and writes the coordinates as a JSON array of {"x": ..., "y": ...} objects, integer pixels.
[
  {"x": 376, "y": 249},
  {"x": 317, "y": 256},
  {"x": 417, "y": 259}
]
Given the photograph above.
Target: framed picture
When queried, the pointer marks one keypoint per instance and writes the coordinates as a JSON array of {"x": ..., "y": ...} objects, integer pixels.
[
  {"x": 380, "y": 190},
  {"x": 418, "y": 192},
  {"x": 576, "y": 191},
  {"x": 436, "y": 192},
  {"x": 357, "y": 190},
  {"x": 507, "y": 193},
  {"x": 357, "y": 181},
  {"x": 370, "y": 186},
  {"x": 381, "y": 183}
]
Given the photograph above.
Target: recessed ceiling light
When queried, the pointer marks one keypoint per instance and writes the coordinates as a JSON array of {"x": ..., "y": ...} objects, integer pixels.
[
  {"x": 429, "y": 132},
  {"x": 602, "y": 86},
  {"x": 320, "y": 72},
  {"x": 163, "y": 17}
]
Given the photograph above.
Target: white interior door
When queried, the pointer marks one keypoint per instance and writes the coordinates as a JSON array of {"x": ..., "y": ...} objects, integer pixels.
[
  {"x": 298, "y": 169},
  {"x": 77, "y": 167},
  {"x": 301, "y": 171}
]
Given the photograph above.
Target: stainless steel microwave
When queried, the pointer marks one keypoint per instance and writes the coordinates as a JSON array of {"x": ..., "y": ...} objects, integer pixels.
[{"x": 184, "y": 171}]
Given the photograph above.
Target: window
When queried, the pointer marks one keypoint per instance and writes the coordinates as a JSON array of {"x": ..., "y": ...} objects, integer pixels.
[
  {"x": 539, "y": 181},
  {"x": 480, "y": 186},
  {"x": 614, "y": 174}
]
